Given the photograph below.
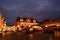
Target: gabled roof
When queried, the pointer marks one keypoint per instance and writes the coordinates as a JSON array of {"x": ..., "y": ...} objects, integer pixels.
[{"x": 25, "y": 18}]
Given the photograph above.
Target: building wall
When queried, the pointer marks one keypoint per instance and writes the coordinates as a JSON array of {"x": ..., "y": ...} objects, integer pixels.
[
  {"x": 26, "y": 21},
  {"x": 27, "y": 24},
  {"x": 2, "y": 22},
  {"x": 51, "y": 23}
]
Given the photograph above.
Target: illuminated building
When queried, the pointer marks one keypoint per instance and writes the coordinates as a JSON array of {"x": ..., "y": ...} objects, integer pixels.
[
  {"x": 2, "y": 22},
  {"x": 58, "y": 22},
  {"x": 51, "y": 22},
  {"x": 22, "y": 22},
  {"x": 47, "y": 22}
]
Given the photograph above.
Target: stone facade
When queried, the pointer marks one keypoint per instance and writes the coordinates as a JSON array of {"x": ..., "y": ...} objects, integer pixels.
[
  {"x": 25, "y": 22},
  {"x": 51, "y": 22},
  {"x": 2, "y": 22}
]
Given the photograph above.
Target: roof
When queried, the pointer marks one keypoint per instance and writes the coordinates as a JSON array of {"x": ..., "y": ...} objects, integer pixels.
[{"x": 25, "y": 18}]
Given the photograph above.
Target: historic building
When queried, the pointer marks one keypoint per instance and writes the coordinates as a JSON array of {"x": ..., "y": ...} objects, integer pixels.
[
  {"x": 2, "y": 22},
  {"x": 58, "y": 22},
  {"x": 22, "y": 22},
  {"x": 50, "y": 22}
]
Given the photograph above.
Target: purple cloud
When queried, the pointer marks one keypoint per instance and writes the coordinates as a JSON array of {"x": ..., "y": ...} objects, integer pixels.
[{"x": 34, "y": 8}]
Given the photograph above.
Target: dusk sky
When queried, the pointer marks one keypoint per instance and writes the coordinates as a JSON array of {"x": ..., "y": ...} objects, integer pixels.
[{"x": 41, "y": 9}]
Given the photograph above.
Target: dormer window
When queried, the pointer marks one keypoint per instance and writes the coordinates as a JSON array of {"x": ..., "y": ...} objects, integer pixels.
[
  {"x": 34, "y": 20},
  {"x": 21, "y": 19},
  {"x": 28, "y": 19}
]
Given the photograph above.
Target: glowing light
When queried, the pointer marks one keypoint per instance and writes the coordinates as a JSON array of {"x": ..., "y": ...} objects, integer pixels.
[
  {"x": 46, "y": 26},
  {"x": 31, "y": 29}
]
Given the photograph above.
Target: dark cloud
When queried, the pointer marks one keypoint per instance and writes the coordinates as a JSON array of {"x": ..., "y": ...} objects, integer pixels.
[{"x": 40, "y": 9}]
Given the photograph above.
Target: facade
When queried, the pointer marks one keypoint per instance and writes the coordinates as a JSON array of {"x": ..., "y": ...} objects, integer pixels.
[
  {"x": 58, "y": 22},
  {"x": 2, "y": 22},
  {"x": 51, "y": 22},
  {"x": 48, "y": 23},
  {"x": 22, "y": 22}
]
